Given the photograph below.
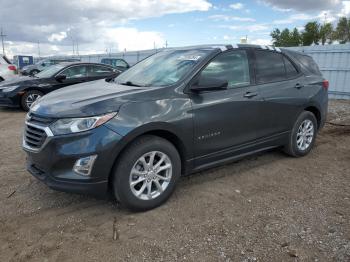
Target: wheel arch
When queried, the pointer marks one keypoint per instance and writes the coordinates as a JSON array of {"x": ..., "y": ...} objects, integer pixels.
[
  {"x": 26, "y": 90},
  {"x": 164, "y": 133},
  {"x": 316, "y": 112}
]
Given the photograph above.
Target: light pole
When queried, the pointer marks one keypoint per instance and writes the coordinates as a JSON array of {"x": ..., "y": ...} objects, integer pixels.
[
  {"x": 39, "y": 49},
  {"x": 2, "y": 41}
]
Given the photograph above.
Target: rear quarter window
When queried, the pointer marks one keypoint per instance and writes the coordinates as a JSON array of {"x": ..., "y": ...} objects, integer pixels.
[{"x": 308, "y": 64}]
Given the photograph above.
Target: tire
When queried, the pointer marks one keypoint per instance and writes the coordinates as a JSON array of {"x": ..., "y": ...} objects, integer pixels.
[
  {"x": 33, "y": 72},
  {"x": 303, "y": 135},
  {"x": 130, "y": 169},
  {"x": 29, "y": 98}
]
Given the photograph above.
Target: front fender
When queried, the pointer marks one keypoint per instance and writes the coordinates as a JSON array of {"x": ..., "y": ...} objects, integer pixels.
[{"x": 171, "y": 115}]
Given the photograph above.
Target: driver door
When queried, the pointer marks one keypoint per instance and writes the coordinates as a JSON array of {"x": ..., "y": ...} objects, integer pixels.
[{"x": 225, "y": 121}]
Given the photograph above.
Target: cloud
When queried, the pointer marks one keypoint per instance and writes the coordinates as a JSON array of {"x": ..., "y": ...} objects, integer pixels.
[
  {"x": 303, "y": 5},
  {"x": 249, "y": 28},
  {"x": 237, "y": 6},
  {"x": 57, "y": 37},
  {"x": 87, "y": 22},
  {"x": 260, "y": 41},
  {"x": 293, "y": 18},
  {"x": 345, "y": 11},
  {"x": 132, "y": 39},
  {"x": 329, "y": 15},
  {"x": 231, "y": 18}
]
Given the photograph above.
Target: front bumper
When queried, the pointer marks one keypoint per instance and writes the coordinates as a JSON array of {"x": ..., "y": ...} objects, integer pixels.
[
  {"x": 53, "y": 164},
  {"x": 9, "y": 100},
  {"x": 98, "y": 189}
]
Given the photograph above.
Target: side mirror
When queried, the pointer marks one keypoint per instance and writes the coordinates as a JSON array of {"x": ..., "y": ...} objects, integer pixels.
[
  {"x": 43, "y": 64},
  {"x": 205, "y": 83},
  {"x": 60, "y": 78}
]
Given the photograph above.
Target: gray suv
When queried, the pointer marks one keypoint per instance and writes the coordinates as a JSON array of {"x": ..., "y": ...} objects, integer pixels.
[{"x": 177, "y": 112}]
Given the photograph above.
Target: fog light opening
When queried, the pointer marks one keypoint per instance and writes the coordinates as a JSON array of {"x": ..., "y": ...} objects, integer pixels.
[{"x": 83, "y": 166}]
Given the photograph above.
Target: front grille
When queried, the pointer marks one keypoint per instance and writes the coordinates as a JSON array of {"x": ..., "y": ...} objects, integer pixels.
[
  {"x": 34, "y": 137},
  {"x": 35, "y": 133}
]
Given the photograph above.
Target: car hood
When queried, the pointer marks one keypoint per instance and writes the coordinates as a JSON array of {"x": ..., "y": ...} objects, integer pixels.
[
  {"x": 22, "y": 81},
  {"x": 87, "y": 99}
]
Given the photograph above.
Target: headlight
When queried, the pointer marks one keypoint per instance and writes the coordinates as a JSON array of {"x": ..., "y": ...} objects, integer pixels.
[
  {"x": 75, "y": 125},
  {"x": 9, "y": 89}
]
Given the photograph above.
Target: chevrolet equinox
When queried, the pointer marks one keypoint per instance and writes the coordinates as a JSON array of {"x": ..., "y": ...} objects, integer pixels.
[{"x": 177, "y": 112}]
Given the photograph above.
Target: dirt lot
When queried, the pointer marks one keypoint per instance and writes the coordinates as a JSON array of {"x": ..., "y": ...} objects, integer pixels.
[{"x": 268, "y": 207}]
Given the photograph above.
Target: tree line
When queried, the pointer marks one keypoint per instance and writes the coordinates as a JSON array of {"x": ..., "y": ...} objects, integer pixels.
[{"x": 313, "y": 33}]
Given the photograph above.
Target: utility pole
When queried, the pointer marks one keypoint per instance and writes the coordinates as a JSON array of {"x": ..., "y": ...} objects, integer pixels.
[
  {"x": 77, "y": 48},
  {"x": 39, "y": 49},
  {"x": 73, "y": 46},
  {"x": 2, "y": 41}
]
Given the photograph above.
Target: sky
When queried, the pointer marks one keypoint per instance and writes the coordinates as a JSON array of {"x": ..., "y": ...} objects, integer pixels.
[{"x": 100, "y": 26}]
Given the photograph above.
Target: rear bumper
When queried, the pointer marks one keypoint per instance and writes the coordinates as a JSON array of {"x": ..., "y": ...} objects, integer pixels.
[{"x": 324, "y": 110}]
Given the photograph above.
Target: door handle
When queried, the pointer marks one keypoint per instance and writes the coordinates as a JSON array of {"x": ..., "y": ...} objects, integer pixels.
[
  {"x": 250, "y": 94},
  {"x": 298, "y": 86}
]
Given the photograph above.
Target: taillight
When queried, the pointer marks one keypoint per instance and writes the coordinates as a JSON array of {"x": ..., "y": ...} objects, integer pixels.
[
  {"x": 12, "y": 67},
  {"x": 325, "y": 84}
]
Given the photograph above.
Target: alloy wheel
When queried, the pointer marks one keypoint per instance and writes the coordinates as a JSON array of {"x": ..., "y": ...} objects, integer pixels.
[
  {"x": 150, "y": 176},
  {"x": 31, "y": 98},
  {"x": 305, "y": 135}
]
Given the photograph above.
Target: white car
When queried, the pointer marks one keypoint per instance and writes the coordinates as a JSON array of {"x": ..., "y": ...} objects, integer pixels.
[{"x": 7, "y": 70}]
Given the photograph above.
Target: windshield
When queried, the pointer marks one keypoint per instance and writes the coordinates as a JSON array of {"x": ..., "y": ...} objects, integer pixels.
[
  {"x": 162, "y": 69},
  {"x": 41, "y": 62},
  {"x": 2, "y": 60},
  {"x": 50, "y": 71}
]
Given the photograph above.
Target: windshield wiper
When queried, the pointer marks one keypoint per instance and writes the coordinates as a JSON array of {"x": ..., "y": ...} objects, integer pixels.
[{"x": 129, "y": 83}]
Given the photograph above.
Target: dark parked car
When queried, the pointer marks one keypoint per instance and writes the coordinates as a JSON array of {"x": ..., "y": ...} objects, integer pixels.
[
  {"x": 174, "y": 113},
  {"x": 120, "y": 64},
  {"x": 43, "y": 64},
  {"x": 23, "y": 91}
]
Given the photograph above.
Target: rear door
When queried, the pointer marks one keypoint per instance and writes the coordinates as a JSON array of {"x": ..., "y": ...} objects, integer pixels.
[
  {"x": 281, "y": 86},
  {"x": 225, "y": 119}
]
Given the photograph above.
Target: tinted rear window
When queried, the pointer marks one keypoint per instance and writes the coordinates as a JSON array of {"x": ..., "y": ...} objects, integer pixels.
[
  {"x": 269, "y": 67},
  {"x": 308, "y": 64}
]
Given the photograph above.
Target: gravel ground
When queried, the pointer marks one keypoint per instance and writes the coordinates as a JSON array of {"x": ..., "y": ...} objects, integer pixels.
[{"x": 268, "y": 207}]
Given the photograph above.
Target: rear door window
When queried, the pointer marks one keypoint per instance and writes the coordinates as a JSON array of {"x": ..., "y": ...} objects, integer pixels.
[
  {"x": 95, "y": 71},
  {"x": 232, "y": 67},
  {"x": 269, "y": 67},
  {"x": 121, "y": 63},
  {"x": 75, "y": 72}
]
